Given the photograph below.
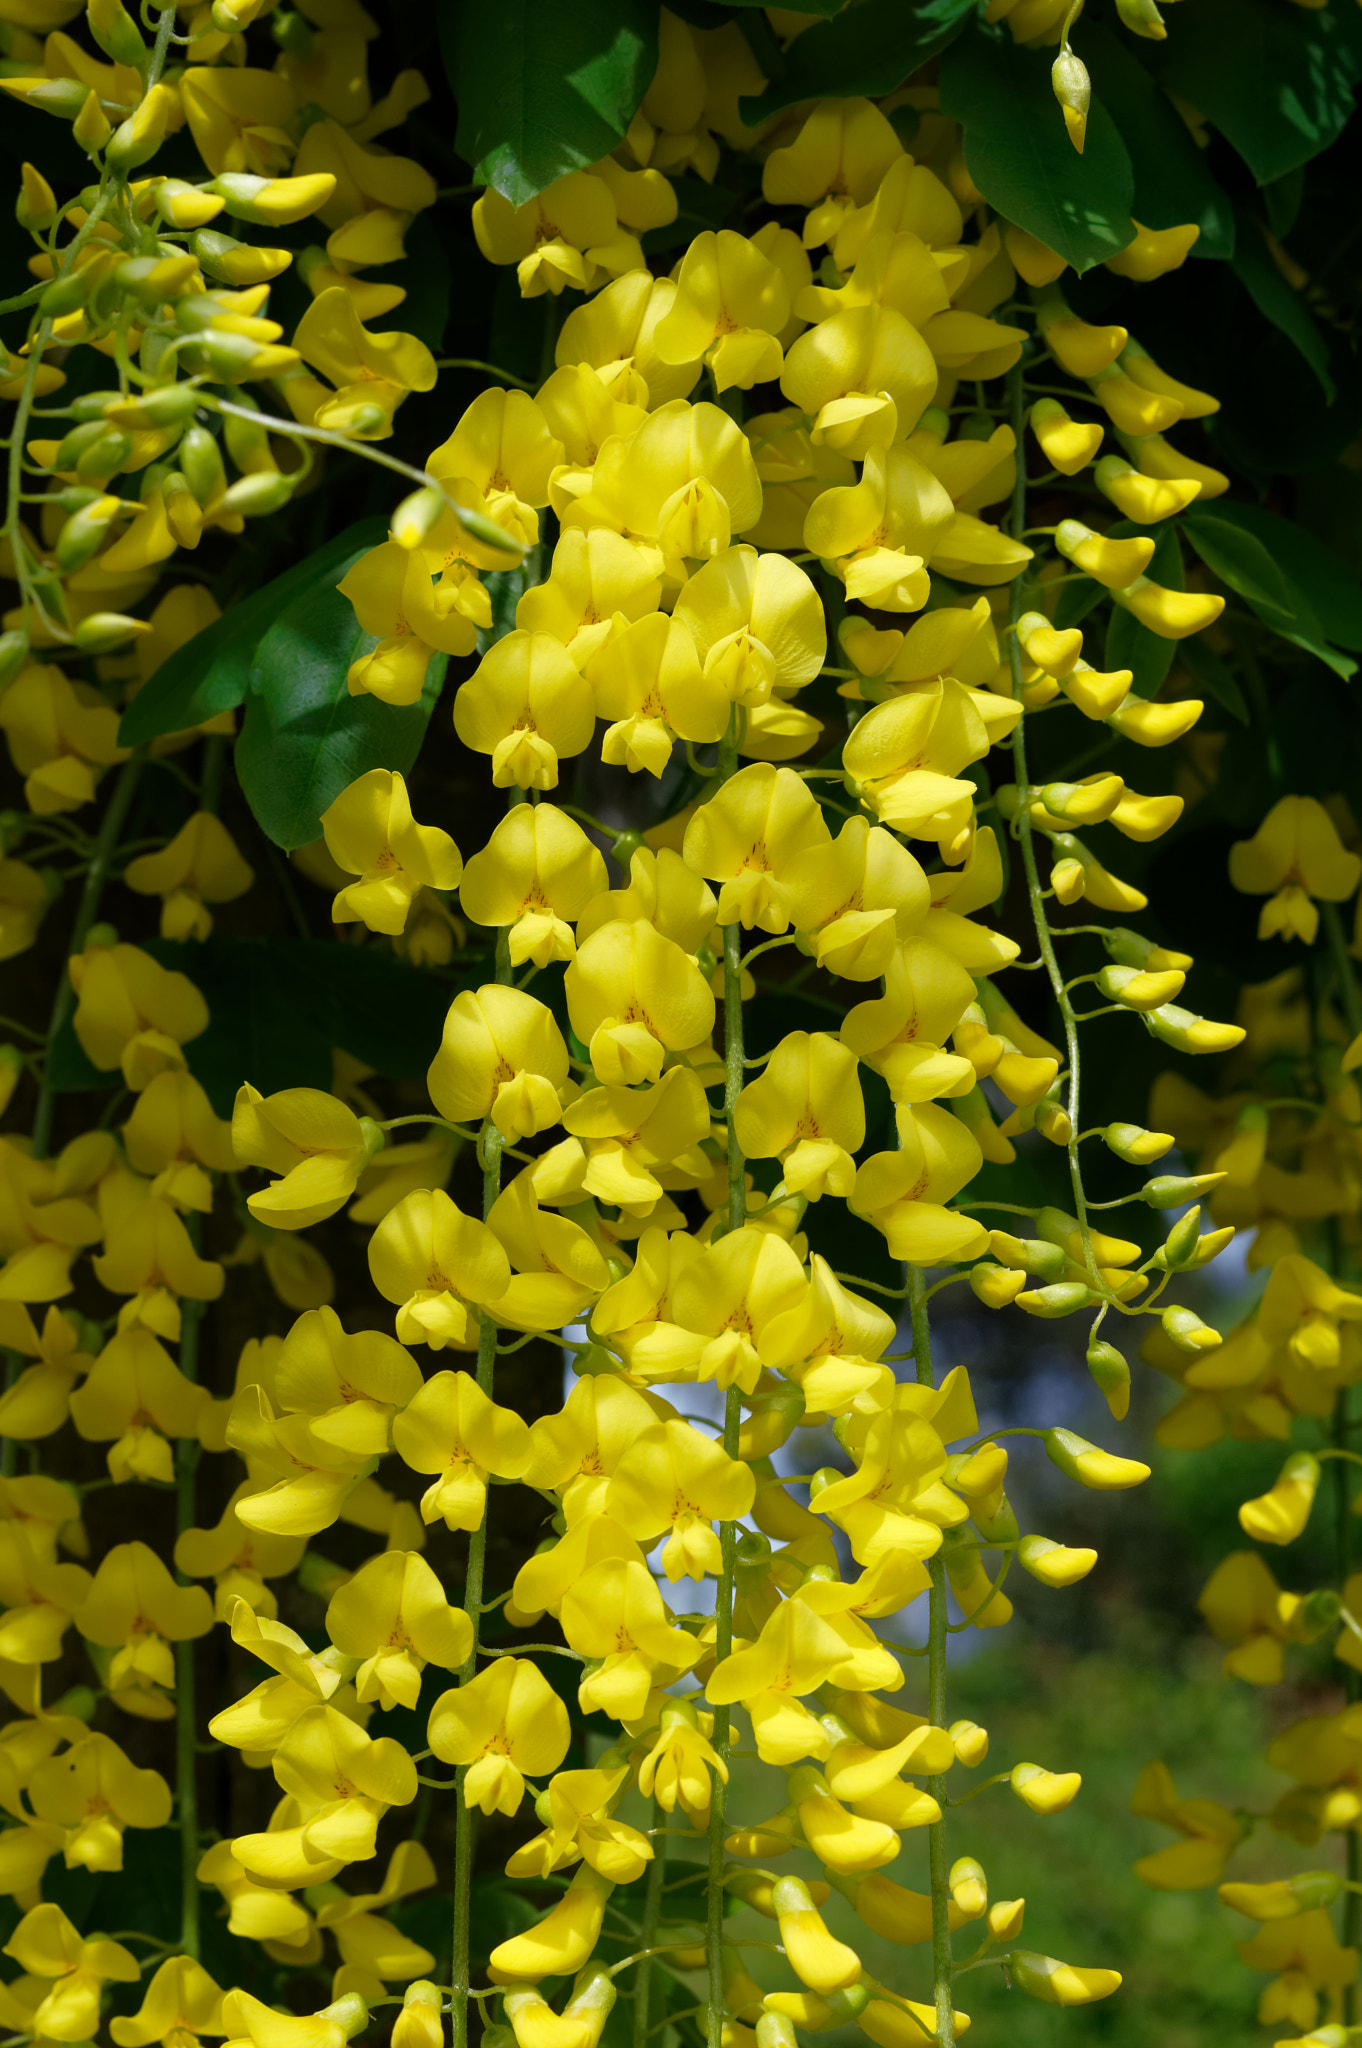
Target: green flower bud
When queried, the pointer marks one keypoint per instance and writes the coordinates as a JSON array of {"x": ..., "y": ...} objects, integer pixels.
[
  {"x": 202, "y": 466},
  {"x": 1064, "y": 1298},
  {"x": 1134, "y": 1144},
  {"x": 13, "y": 654},
  {"x": 1180, "y": 1245},
  {"x": 1111, "y": 1374},
  {"x": 1171, "y": 1190},
  {"x": 254, "y": 496}
]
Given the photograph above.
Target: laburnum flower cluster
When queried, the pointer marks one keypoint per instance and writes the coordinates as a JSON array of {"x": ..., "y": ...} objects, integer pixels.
[
  {"x": 722, "y": 461},
  {"x": 1281, "y": 1133}
]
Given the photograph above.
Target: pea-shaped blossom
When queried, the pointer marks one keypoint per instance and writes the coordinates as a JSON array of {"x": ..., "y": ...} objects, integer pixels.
[
  {"x": 633, "y": 997},
  {"x": 902, "y": 1193},
  {"x": 857, "y": 899},
  {"x": 180, "y": 2004},
  {"x": 526, "y": 706},
  {"x": 757, "y": 623},
  {"x": 394, "y": 1616},
  {"x": 879, "y": 534},
  {"x": 685, "y": 480},
  {"x": 317, "y": 1144},
  {"x": 806, "y": 1109},
  {"x": 674, "y": 1482},
  {"x": 201, "y": 865},
  {"x": 615, "y": 1613},
  {"x": 597, "y": 579},
  {"x": 411, "y": 617},
  {"x": 501, "y": 1055},
  {"x": 647, "y": 679},
  {"x": 505, "y": 1725},
  {"x": 135, "y": 1398},
  {"x": 731, "y": 304},
  {"x": 133, "y": 1013},
  {"x": 747, "y": 837},
  {"x": 451, "y": 1429},
  {"x": 370, "y": 832},
  {"x": 71, "y": 1972},
  {"x": 865, "y": 376},
  {"x": 1295, "y": 859},
  {"x": 537, "y": 873},
  {"x": 439, "y": 1266},
  {"x": 135, "y": 1609}
]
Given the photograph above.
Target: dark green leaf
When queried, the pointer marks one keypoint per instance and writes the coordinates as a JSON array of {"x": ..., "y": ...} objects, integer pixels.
[
  {"x": 1018, "y": 152},
  {"x": 1239, "y": 560},
  {"x": 1283, "y": 199},
  {"x": 545, "y": 88},
  {"x": 1317, "y": 579},
  {"x": 1129, "y": 644},
  {"x": 69, "y": 1072},
  {"x": 869, "y": 49},
  {"x": 1264, "y": 582},
  {"x": 211, "y": 672},
  {"x": 1276, "y": 300},
  {"x": 1276, "y": 81},
  {"x": 1076, "y": 600},
  {"x": 1173, "y": 182},
  {"x": 825, "y": 8},
  {"x": 277, "y": 1007},
  {"x": 304, "y": 738},
  {"x": 424, "y": 275},
  {"x": 1216, "y": 677}
]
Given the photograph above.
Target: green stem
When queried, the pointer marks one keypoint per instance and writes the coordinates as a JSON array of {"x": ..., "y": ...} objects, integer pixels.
[
  {"x": 186, "y": 1749},
  {"x": 652, "y": 1912},
  {"x": 728, "y": 1535},
  {"x": 937, "y": 1632},
  {"x": 96, "y": 875},
  {"x": 1026, "y": 840},
  {"x": 1341, "y": 960},
  {"x": 489, "y": 1153}
]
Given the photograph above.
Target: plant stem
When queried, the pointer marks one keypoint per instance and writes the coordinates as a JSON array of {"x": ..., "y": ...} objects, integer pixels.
[
  {"x": 937, "y": 1631},
  {"x": 489, "y": 1153},
  {"x": 1026, "y": 839},
  {"x": 186, "y": 1752},
  {"x": 652, "y": 1909},
  {"x": 728, "y": 1535},
  {"x": 96, "y": 875}
]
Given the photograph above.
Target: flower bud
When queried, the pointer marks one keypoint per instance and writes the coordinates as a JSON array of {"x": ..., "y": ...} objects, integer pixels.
[
  {"x": 117, "y": 34},
  {"x": 1072, "y": 87},
  {"x": 201, "y": 466},
  {"x": 1031, "y": 1254},
  {"x": 13, "y": 654},
  {"x": 1132, "y": 949},
  {"x": 136, "y": 140},
  {"x": 1171, "y": 1190},
  {"x": 255, "y": 496},
  {"x": 1005, "y": 1919},
  {"x": 995, "y": 1286},
  {"x": 186, "y": 206},
  {"x": 63, "y": 97},
  {"x": 416, "y": 517},
  {"x": 1057, "y": 1983},
  {"x": 272, "y": 202},
  {"x": 1280, "y": 1515},
  {"x": 1111, "y": 1374},
  {"x": 1045, "y": 1791},
  {"x": 970, "y": 1742},
  {"x": 238, "y": 263},
  {"x": 1088, "y": 1465},
  {"x": 1054, "y": 1564},
  {"x": 1083, "y": 803},
  {"x": 84, "y": 533},
  {"x": 36, "y": 206},
  {"x": 101, "y": 632},
  {"x": 968, "y": 1886},
  {"x": 1064, "y": 1298},
  {"x": 1318, "y": 1613},
  {"x": 1067, "y": 445},
  {"x": 92, "y": 126},
  {"x": 1134, "y": 1144},
  {"x": 350, "y": 2014},
  {"x": 1305, "y": 1892},
  {"x": 1142, "y": 18},
  {"x": 419, "y": 2024},
  {"x": 1135, "y": 989}
]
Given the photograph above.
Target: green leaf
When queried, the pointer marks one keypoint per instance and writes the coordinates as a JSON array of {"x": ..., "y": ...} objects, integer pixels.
[
  {"x": 868, "y": 50},
  {"x": 1239, "y": 560},
  {"x": 277, "y": 1007},
  {"x": 1018, "y": 152},
  {"x": 1131, "y": 645},
  {"x": 1276, "y": 81},
  {"x": 424, "y": 275},
  {"x": 1276, "y": 300},
  {"x": 1216, "y": 677},
  {"x": 1318, "y": 581},
  {"x": 546, "y": 87},
  {"x": 1173, "y": 182},
  {"x": 211, "y": 672},
  {"x": 304, "y": 738}
]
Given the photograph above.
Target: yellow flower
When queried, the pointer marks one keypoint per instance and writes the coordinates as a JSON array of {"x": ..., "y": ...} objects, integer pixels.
[
  {"x": 879, "y": 534},
  {"x": 365, "y": 1940},
  {"x": 537, "y": 873},
  {"x": 394, "y": 1616},
  {"x": 526, "y": 706},
  {"x": 1294, "y": 858},
  {"x": 615, "y": 1616},
  {"x": 395, "y": 599},
  {"x": 135, "y": 1397},
  {"x": 675, "y": 1482},
  {"x": 647, "y": 678},
  {"x": 201, "y": 865},
  {"x": 835, "y": 164},
  {"x": 597, "y": 579},
  {"x": 501, "y": 1055},
  {"x": 318, "y": 1146},
  {"x": 902, "y": 1192},
  {"x": 181, "y": 2001},
  {"x": 23, "y": 900},
  {"x": 505, "y": 1725},
  {"x": 58, "y": 733},
  {"x": 757, "y": 623},
  {"x": 453, "y": 1430},
  {"x": 864, "y": 375},
  {"x": 440, "y": 1267},
  {"x": 731, "y": 304},
  {"x": 371, "y": 373},
  {"x": 564, "y": 236},
  {"x": 684, "y": 481},
  {"x": 131, "y": 1012},
  {"x": 805, "y": 1109},
  {"x": 370, "y": 832},
  {"x": 135, "y": 1608},
  {"x": 241, "y": 120},
  {"x": 633, "y": 997},
  {"x": 72, "y": 1971},
  {"x": 374, "y": 196},
  {"x": 748, "y": 837}
]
